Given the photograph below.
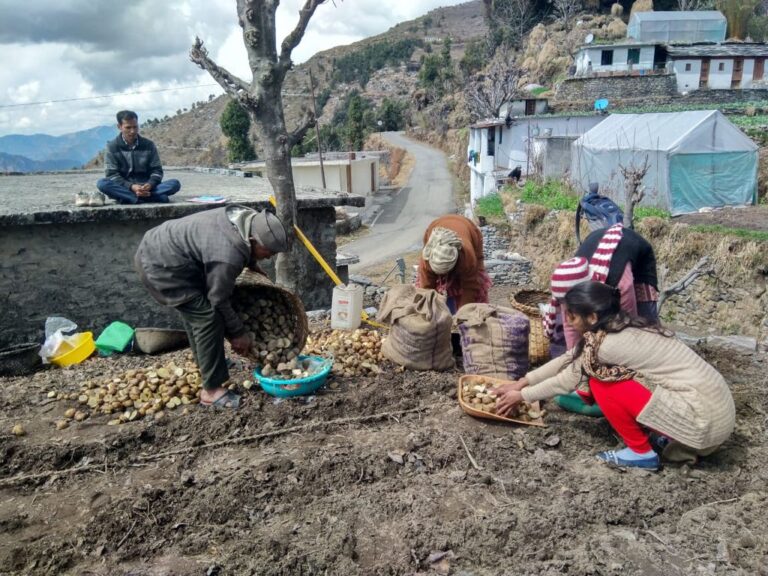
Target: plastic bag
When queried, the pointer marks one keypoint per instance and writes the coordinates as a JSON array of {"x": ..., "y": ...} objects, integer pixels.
[
  {"x": 115, "y": 338},
  {"x": 58, "y": 336}
]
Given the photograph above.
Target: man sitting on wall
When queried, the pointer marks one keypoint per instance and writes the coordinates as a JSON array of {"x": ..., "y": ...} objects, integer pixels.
[{"x": 132, "y": 166}]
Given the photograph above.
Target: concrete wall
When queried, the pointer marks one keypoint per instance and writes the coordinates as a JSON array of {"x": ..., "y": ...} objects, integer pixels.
[
  {"x": 687, "y": 80},
  {"x": 720, "y": 79},
  {"x": 83, "y": 270},
  {"x": 553, "y": 156}
]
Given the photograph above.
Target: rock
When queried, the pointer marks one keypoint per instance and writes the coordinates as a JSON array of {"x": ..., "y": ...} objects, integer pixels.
[
  {"x": 397, "y": 457},
  {"x": 744, "y": 345},
  {"x": 747, "y": 540}
]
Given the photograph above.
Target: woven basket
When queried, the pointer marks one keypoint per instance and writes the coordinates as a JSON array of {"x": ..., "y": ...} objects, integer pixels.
[
  {"x": 251, "y": 281},
  {"x": 527, "y": 302},
  {"x": 487, "y": 415}
]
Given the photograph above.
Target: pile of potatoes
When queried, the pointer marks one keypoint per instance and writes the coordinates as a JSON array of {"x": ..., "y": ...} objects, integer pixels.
[
  {"x": 272, "y": 326},
  {"x": 478, "y": 394},
  {"x": 356, "y": 353},
  {"x": 292, "y": 370},
  {"x": 134, "y": 394}
]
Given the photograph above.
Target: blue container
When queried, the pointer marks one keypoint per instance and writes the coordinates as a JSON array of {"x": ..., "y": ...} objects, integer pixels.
[{"x": 300, "y": 386}]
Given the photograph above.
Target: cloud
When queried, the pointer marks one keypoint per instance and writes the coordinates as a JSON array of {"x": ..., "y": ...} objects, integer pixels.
[{"x": 62, "y": 50}]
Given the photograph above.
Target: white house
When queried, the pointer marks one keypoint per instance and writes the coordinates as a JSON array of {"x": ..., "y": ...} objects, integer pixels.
[
  {"x": 619, "y": 57},
  {"x": 353, "y": 173},
  {"x": 719, "y": 66},
  {"x": 497, "y": 146}
]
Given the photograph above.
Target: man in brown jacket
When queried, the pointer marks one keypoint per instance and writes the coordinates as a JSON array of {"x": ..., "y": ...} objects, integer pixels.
[
  {"x": 191, "y": 264},
  {"x": 452, "y": 261}
]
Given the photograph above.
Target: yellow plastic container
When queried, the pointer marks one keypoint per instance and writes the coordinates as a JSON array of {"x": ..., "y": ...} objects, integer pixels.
[{"x": 81, "y": 348}]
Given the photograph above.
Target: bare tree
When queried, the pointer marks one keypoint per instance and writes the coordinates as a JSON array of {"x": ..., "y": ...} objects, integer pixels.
[
  {"x": 487, "y": 91},
  {"x": 262, "y": 99},
  {"x": 633, "y": 188},
  {"x": 702, "y": 268},
  {"x": 565, "y": 10},
  {"x": 509, "y": 20}
]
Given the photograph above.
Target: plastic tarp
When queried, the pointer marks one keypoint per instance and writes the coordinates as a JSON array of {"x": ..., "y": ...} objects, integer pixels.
[
  {"x": 717, "y": 165},
  {"x": 678, "y": 27},
  {"x": 712, "y": 180}
]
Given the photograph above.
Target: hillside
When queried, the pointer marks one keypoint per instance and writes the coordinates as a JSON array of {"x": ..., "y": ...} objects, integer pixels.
[
  {"x": 194, "y": 137},
  {"x": 27, "y": 153}
]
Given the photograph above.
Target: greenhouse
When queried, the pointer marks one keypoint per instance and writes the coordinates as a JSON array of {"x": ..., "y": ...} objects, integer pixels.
[
  {"x": 695, "y": 159},
  {"x": 677, "y": 27}
]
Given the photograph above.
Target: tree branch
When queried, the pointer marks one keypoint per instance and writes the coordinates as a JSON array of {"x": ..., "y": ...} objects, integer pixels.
[
  {"x": 292, "y": 40},
  {"x": 307, "y": 122},
  {"x": 231, "y": 83},
  {"x": 702, "y": 268}
]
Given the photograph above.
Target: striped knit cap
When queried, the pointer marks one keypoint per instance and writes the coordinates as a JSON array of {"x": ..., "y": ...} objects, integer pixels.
[
  {"x": 600, "y": 263},
  {"x": 568, "y": 274}
]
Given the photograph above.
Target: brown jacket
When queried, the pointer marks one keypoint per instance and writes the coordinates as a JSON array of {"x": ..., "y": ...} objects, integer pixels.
[{"x": 470, "y": 262}]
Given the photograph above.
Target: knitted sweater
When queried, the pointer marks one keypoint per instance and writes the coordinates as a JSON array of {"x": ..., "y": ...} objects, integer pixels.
[
  {"x": 633, "y": 248},
  {"x": 690, "y": 400},
  {"x": 470, "y": 262}
]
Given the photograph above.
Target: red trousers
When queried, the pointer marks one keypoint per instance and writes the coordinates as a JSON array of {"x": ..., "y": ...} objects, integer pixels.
[{"x": 621, "y": 402}]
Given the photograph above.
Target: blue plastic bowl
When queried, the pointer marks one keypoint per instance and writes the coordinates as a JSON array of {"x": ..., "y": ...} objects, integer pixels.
[{"x": 299, "y": 386}]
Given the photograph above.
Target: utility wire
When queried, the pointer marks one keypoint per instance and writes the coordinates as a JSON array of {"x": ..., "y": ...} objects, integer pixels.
[{"x": 105, "y": 96}]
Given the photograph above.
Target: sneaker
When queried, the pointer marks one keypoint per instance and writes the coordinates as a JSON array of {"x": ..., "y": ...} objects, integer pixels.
[
  {"x": 612, "y": 458},
  {"x": 82, "y": 199},
  {"x": 96, "y": 199}
]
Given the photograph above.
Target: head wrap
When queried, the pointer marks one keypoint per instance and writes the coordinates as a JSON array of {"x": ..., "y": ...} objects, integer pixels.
[{"x": 442, "y": 250}]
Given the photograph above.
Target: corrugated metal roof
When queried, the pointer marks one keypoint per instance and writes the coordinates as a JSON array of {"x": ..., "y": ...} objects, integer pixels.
[
  {"x": 726, "y": 49},
  {"x": 678, "y": 15}
]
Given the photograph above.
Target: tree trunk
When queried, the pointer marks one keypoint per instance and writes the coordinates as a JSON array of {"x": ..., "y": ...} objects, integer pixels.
[{"x": 274, "y": 138}]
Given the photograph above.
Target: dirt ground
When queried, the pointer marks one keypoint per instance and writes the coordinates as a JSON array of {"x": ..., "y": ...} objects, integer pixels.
[
  {"x": 747, "y": 217},
  {"x": 368, "y": 477}
]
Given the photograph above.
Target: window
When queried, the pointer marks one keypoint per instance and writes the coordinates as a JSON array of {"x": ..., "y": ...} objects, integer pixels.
[
  {"x": 688, "y": 67},
  {"x": 721, "y": 67},
  {"x": 633, "y": 56},
  {"x": 606, "y": 58}
]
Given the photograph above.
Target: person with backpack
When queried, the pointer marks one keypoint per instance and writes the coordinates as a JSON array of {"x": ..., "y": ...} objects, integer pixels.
[{"x": 656, "y": 393}]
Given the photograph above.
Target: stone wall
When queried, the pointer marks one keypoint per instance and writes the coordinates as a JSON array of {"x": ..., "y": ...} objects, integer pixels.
[
  {"x": 83, "y": 270},
  {"x": 612, "y": 88},
  {"x": 505, "y": 268},
  {"x": 581, "y": 93}
]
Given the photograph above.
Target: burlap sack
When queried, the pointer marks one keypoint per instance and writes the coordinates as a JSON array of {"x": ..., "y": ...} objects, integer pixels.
[
  {"x": 420, "y": 337},
  {"x": 494, "y": 341}
]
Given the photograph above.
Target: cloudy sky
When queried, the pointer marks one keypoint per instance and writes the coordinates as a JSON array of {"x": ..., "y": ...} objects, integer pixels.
[{"x": 134, "y": 54}]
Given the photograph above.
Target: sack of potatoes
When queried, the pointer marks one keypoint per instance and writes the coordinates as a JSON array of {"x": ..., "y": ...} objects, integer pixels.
[
  {"x": 275, "y": 320},
  {"x": 478, "y": 394}
]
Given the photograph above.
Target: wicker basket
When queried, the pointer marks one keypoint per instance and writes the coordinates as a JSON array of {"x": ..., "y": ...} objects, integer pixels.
[
  {"x": 527, "y": 302},
  {"x": 251, "y": 281},
  {"x": 487, "y": 415}
]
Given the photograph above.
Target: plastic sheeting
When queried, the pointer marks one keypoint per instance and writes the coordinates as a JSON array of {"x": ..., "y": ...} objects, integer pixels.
[
  {"x": 712, "y": 180},
  {"x": 677, "y": 27},
  {"x": 696, "y": 159}
]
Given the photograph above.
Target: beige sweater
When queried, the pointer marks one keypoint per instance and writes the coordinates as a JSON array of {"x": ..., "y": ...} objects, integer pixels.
[{"x": 690, "y": 400}]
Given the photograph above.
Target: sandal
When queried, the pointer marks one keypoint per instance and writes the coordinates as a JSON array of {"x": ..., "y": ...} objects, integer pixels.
[
  {"x": 610, "y": 457},
  {"x": 226, "y": 400}
]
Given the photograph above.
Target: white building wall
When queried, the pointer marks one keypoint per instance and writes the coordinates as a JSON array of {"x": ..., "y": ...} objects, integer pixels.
[
  {"x": 687, "y": 80},
  {"x": 720, "y": 79},
  {"x": 362, "y": 183},
  {"x": 620, "y": 55}
]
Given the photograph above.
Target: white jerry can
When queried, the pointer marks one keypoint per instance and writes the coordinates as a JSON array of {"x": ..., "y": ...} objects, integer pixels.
[{"x": 347, "y": 306}]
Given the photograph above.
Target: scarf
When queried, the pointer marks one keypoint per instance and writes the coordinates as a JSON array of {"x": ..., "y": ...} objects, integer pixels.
[{"x": 592, "y": 366}]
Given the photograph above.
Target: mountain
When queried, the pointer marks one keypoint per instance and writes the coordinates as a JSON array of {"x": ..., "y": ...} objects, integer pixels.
[
  {"x": 14, "y": 163},
  {"x": 45, "y": 152}
]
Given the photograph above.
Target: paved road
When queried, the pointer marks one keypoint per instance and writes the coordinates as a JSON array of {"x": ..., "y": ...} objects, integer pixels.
[{"x": 399, "y": 228}]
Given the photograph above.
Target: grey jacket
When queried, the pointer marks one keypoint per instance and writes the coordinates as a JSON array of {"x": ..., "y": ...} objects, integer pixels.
[
  {"x": 125, "y": 166},
  {"x": 202, "y": 254}
]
